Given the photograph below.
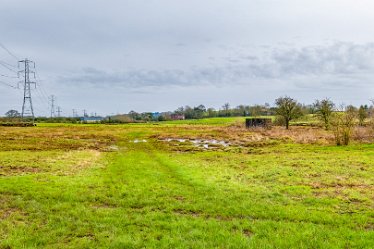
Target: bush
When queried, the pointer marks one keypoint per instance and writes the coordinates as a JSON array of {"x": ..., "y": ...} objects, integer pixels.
[
  {"x": 342, "y": 124},
  {"x": 279, "y": 121}
]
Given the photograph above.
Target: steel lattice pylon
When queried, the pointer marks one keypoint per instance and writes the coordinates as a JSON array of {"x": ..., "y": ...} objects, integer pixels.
[{"x": 27, "y": 107}]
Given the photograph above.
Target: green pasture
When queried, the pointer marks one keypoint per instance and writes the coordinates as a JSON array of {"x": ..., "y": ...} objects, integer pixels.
[{"x": 118, "y": 186}]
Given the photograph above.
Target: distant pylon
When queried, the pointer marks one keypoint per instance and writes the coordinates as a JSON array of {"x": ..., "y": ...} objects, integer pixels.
[
  {"x": 27, "y": 108},
  {"x": 59, "y": 111},
  {"x": 52, "y": 99}
]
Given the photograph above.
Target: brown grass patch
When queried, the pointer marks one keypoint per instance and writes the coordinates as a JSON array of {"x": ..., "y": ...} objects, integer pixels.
[
  {"x": 55, "y": 138},
  {"x": 192, "y": 213},
  {"x": 17, "y": 170},
  {"x": 6, "y": 210},
  {"x": 242, "y": 137},
  {"x": 75, "y": 163}
]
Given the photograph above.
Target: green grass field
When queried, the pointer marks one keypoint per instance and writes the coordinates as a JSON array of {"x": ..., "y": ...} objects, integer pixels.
[{"x": 122, "y": 186}]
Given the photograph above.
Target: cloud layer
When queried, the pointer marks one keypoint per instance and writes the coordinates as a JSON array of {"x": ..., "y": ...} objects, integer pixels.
[{"x": 342, "y": 60}]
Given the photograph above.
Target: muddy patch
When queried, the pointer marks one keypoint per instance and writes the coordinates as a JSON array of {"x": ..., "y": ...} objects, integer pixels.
[
  {"x": 17, "y": 170},
  {"x": 7, "y": 209},
  {"x": 104, "y": 206},
  {"x": 9, "y": 212},
  {"x": 192, "y": 213},
  {"x": 112, "y": 148},
  {"x": 197, "y": 144},
  {"x": 247, "y": 232}
]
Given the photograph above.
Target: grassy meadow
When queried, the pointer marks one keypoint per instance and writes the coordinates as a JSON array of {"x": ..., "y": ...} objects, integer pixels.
[{"x": 186, "y": 184}]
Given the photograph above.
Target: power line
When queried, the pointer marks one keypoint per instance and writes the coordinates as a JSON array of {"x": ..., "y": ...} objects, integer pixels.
[
  {"x": 13, "y": 77},
  {"x": 8, "y": 64},
  {"x": 42, "y": 98},
  {"x": 42, "y": 101},
  {"x": 41, "y": 85},
  {"x": 43, "y": 95},
  {"x": 4, "y": 83},
  {"x": 8, "y": 51},
  {"x": 7, "y": 67}
]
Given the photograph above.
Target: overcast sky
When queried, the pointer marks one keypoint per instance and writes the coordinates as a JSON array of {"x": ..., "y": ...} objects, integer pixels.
[{"x": 114, "y": 56}]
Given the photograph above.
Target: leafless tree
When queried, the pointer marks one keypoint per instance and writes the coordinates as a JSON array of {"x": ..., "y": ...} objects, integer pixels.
[
  {"x": 342, "y": 123},
  {"x": 324, "y": 108},
  {"x": 362, "y": 114},
  {"x": 226, "y": 108}
]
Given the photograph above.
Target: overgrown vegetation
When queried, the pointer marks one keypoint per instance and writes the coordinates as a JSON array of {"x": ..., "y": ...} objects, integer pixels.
[{"x": 342, "y": 125}]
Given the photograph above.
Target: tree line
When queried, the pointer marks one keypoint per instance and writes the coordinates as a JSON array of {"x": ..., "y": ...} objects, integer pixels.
[
  {"x": 286, "y": 109},
  {"x": 201, "y": 111},
  {"x": 341, "y": 120}
]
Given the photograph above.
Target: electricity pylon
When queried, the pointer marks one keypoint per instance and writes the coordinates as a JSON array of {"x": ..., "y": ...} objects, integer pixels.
[
  {"x": 59, "y": 111},
  {"x": 52, "y": 99},
  {"x": 27, "y": 108}
]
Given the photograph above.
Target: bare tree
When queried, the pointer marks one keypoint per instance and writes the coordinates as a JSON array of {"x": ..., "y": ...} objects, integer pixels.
[
  {"x": 324, "y": 108},
  {"x": 241, "y": 110},
  {"x": 12, "y": 114},
  {"x": 288, "y": 109},
  {"x": 211, "y": 112},
  {"x": 371, "y": 110},
  {"x": 226, "y": 108},
  {"x": 256, "y": 110},
  {"x": 342, "y": 123},
  {"x": 180, "y": 110},
  {"x": 371, "y": 116},
  {"x": 362, "y": 114}
]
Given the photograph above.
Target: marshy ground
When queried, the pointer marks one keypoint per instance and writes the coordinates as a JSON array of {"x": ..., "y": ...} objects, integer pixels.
[{"x": 183, "y": 185}]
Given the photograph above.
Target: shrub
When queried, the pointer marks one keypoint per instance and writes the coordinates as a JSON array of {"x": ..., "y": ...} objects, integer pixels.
[
  {"x": 342, "y": 124},
  {"x": 279, "y": 121}
]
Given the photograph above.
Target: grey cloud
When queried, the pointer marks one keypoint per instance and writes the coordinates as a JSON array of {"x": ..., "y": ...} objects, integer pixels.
[
  {"x": 146, "y": 78},
  {"x": 346, "y": 60},
  {"x": 339, "y": 58}
]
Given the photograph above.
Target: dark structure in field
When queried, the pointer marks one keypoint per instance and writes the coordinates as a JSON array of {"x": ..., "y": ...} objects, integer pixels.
[{"x": 258, "y": 122}]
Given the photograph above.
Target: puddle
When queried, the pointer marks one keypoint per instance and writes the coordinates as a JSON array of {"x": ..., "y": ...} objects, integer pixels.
[
  {"x": 139, "y": 141},
  {"x": 113, "y": 148},
  {"x": 201, "y": 143},
  {"x": 181, "y": 140},
  {"x": 209, "y": 143}
]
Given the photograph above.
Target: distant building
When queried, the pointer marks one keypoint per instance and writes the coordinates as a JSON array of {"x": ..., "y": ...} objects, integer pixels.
[
  {"x": 91, "y": 119},
  {"x": 177, "y": 116}
]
